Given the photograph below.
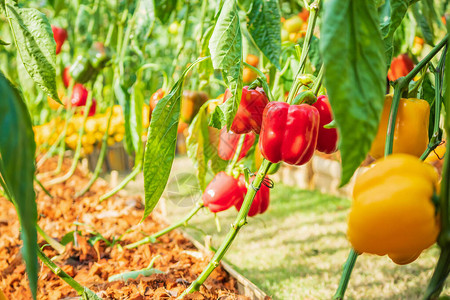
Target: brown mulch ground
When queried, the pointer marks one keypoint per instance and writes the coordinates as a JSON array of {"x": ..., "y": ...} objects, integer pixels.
[{"x": 91, "y": 265}]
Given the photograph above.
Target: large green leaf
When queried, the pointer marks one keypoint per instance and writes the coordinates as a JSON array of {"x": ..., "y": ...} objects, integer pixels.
[
  {"x": 17, "y": 151},
  {"x": 199, "y": 148},
  {"x": 161, "y": 143},
  {"x": 264, "y": 25},
  {"x": 355, "y": 75},
  {"x": 225, "y": 46},
  {"x": 33, "y": 37},
  {"x": 425, "y": 25}
]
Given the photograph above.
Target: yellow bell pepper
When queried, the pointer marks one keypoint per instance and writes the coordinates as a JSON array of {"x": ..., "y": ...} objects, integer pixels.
[
  {"x": 392, "y": 211},
  {"x": 411, "y": 128}
]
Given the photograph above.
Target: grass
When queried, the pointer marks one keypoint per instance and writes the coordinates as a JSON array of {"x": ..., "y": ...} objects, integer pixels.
[{"x": 297, "y": 248}]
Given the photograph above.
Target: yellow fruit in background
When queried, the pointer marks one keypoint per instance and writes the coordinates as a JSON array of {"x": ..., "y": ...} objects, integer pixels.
[
  {"x": 145, "y": 116},
  {"x": 91, "y": 125},
  {"x": 118, "y": 137},
  {"x": 120, "y": 129},
  {"x": 88, "y": 139},
  {"x": 110, "y": 141},
  {"x": 98, "y": 136},
  {"x": 71, "y": 141},
  {"x": 88, "y": 149}
]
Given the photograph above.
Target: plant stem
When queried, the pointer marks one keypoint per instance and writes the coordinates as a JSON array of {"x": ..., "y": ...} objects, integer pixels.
[
  {"x": 51, "y": 241},
  {"x": 240, "y": 221},
  {"x": 314, "y": 7},
  {"x": 77, "y": 154},
  {"x": 439, "y": 276},
  {"x": 236, "y": 155},
  {"x": 101, "y": 158},
  {"x": 42, "y": 187},
  {"x": 318, "y": 82},
  {"x": 60, "y": 273},
  {"x": 69, "y": 113},
  {"x": 346, "y": 273},
  {"x": 137, "y": 169},
  {"x": 183, "y": 222},
  {"x": 392, "y": 120}
]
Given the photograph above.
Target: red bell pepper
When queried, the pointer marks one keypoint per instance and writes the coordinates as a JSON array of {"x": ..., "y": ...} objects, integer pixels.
[
  {"x": 249, "y": 114},
  {"x": 79, "y": 98},
  {"x": 289, "y": 132},
  {"x": 229, "y": 141},
  {"x": 66, "y": 76},
  {"x": 328, "y": 137},
  {"x": 60, "y": 36},
  {"x": 222, "y": 193},
  {"x": 260, "y": 202},
  {"x": 400, "y": 66}
]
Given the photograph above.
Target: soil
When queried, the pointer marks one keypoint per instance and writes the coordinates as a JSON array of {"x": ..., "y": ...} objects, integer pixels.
[{"x": 92, "y": 262}]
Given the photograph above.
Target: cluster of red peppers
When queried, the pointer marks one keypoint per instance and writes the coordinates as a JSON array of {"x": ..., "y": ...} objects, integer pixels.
[{"x": 288, "y": 133}]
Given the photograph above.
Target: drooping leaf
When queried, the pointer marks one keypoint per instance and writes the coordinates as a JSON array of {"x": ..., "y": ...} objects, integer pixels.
[
  {"x": 2, "y": 42},
  {"x": 17, "y": 152},
  {"x": 145, "y": 19},
  {"x": 391, "y": 22},
  {"x": 424, "y": 24},
  {"x": 34, "y": 41},
  {"x": 123, "y": 97},
  {"x": 265, "y": 28},
  {"x": 199, "y": 147},
  {"x": 355, "y": 76},
  {"x": 161, "y": 143},
  {"x": 225, "y": 46}
]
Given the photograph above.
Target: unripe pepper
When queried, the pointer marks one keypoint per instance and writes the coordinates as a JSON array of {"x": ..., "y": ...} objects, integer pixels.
[
  {"x": 392, "y": 211},
  {"x": 249, "y": 115},
  {"x": 229, "y": 141},
  {"x": 260, "y": 202},
  {"x": 411, "y": 127},
  {"x": 328, "y": 137},
  {"x": 190, "y": 104},
  {"x": 289, "y": 132},
  {"x": 400, "y": 66},
  {"x": 222, "y": 193},
  {"x": 60, "y": 36}
]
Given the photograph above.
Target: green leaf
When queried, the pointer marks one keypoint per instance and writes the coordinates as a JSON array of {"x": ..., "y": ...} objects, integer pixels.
[
  {"x": 424, "y": 24},
  {"x": 199, "y": 148},
  {"x": 161, "y": 143},
  {"x": 164, "y": 9},
  {"x": 123, "y": 97},
  {"x": 89, "y": 295},
  {"x": 264, "y": 25},
  {"x": 82, "y": 21},
  {"x": 355, "y": 73},
  {"x": 2, "y": 42},
  {"x": 398, "y": 9},
  {"x": 145, "y": 19},
  {"x": 34, "y": 41},
  {"x": 226, "y": 54},
  {"x": 134, "y": 274},
  {"x": 17, "y": 151}
]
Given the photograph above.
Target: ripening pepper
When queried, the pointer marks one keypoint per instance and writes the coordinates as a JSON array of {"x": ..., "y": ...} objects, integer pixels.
[
  {"x": 411, "y": 128},
  {"x": 392, "y": 211},
  {"x": 400, "y": 66},
  {"x": 249, "y": 114},
  {"x": 190, "y": 104},
  {"x": 260, "y": 202},
  {"x": 60, "y": 36},
  {"x": 229, "y": 141},
  {"x": 66, "y": 78},
  {"x": 289, "y": 132},
  {"x": 79, "y": 98},
  {"x": 328, "y": 137},
  {"x": 222, "y": 193}
]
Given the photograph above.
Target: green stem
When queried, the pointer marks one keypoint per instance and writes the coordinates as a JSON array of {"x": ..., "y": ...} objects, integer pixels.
[
  {"x": 346, "y": 273},
  {"x": 240, "y": 221},
  {"x": 263, "y": 80},
  {"x": 42, "y": 187},
  {"x": 77, "y": 154},
  {"x": 101, "y": 158},
  {"x": 436, "y": 139},
  {"x": 183, "y": 222},
  {"x": 60, "y": 273},
  {"x": 236, "y": 155},
  {"x": 125, "y": 181},
  {"x": 439, "y": 276},
  {"x": 51, "y": 241},
  {"x": 392, "y": 119},
  {"x": 50, "y": 151},
  {"x": 313, "y": 14},
  {"x": 318, "y": 82},
  {"x": 69, "y": 113}
]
